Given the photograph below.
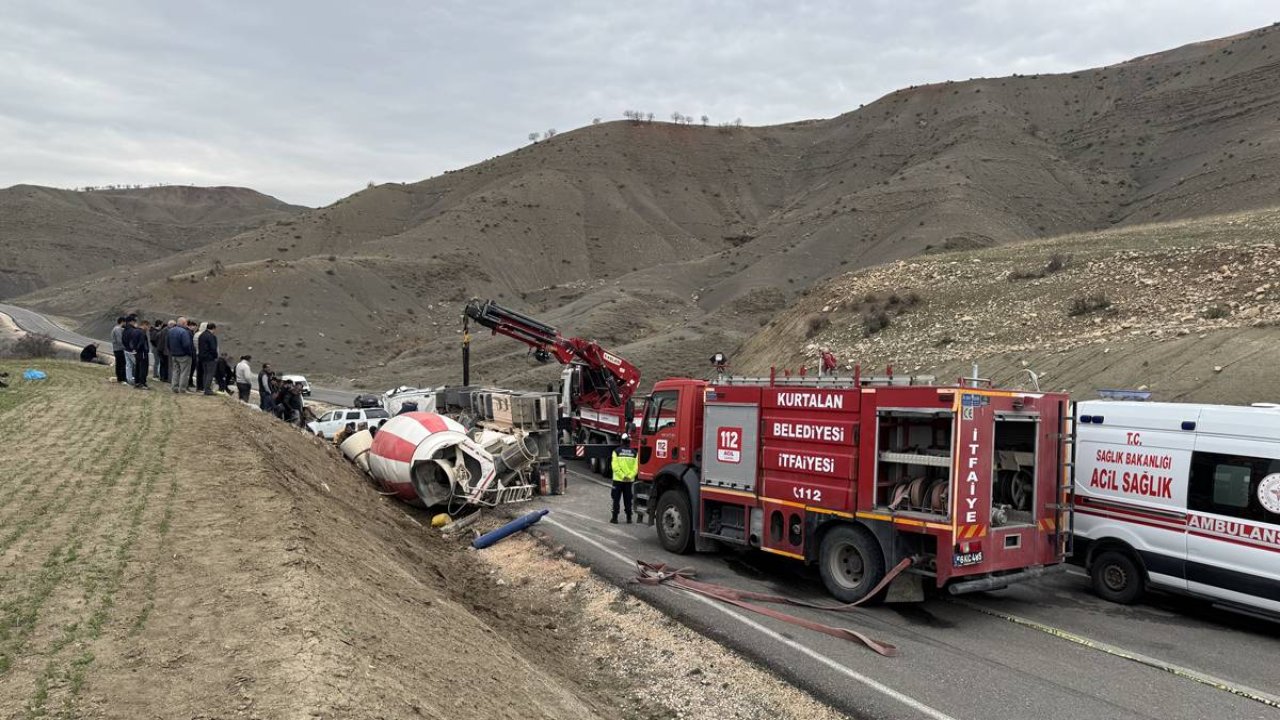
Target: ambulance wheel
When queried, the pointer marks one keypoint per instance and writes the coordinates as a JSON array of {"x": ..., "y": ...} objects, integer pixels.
[
  {"x": 850, "y": 562},
  {"x": 1117, "y": 578},
  {"x": 675, "y": 522}
]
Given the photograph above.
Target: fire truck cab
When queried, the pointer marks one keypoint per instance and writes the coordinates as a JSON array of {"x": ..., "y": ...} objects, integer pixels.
[{"x": 855, "y": 474}]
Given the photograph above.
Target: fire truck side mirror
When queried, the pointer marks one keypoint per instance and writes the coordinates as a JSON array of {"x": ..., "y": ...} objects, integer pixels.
[{"x": 629, "y": 412}]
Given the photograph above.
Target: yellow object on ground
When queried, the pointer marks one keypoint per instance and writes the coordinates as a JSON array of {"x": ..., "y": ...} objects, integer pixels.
[{"x": 440, "y": 520}]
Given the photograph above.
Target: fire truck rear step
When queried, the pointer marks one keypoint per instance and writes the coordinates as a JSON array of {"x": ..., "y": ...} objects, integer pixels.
[{"x": 998, "y": 582}]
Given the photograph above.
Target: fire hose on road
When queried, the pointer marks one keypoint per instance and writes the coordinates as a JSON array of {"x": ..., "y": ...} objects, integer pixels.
[{"x": 661, "y": 574}]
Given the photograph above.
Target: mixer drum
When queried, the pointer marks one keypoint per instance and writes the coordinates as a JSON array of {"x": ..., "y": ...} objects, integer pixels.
[{"x": 426, "y": 458}]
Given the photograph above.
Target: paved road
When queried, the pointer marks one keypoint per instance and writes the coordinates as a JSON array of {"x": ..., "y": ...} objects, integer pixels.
[
  {"x": 341, "y": 398},
  {"x": 960, "y": 658},
  {"x": 34, "y": 322}
]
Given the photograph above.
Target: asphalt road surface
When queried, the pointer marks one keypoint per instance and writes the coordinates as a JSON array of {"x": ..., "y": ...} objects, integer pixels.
[
  {"x": 34, "y": 322},
  {"x": 991, "y": 655}
]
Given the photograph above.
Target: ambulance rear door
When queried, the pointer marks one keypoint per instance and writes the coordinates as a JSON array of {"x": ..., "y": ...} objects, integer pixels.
[{"x": 1233, "y": 540}]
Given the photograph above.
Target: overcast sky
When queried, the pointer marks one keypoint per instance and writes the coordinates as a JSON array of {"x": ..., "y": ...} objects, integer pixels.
[{"x": 309, "y": 101}]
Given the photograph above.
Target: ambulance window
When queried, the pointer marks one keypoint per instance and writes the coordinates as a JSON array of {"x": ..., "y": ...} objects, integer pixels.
[
  {"x": 661, "y": 411},
  {"x": 1229, "y": 485}
]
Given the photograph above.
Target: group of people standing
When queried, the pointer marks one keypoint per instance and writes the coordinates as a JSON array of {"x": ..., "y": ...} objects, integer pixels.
[
  {"x": 185, "y": 354},
  {"x": 282, "y": 398},
  {"x": 179, "y": 352}
]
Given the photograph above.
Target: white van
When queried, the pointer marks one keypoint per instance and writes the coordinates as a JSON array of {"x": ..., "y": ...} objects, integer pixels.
[{"x": 1181, "y": 497}]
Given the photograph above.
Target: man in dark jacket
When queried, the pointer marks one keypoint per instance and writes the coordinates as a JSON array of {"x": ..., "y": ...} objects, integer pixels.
[
  {"x": 180, "y": 355},
  {"x": 139, "y": 343},
  {"x": 265, "y": 401},
  {"x": 131, "y": 338},
  {"x": 294, "y": 400},
  {"x": 208, "y": 353},
  {"x": 195, "y": 361},
  {"x": 90, "y": 354},
  {"x": 155, "y": 337},
  {"x": 222, "y": 373},
  {"x": 117, "y": 348},
  {"x": 163, "y": 351},
  {"x": 280, "y": 397}
]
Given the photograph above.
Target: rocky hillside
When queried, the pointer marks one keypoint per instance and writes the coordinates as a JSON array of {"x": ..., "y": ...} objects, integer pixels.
[
  {"x": 1189, "y": 310},
  {"x": 670, "y": 242},
  {"x": 49, "y": 236}
]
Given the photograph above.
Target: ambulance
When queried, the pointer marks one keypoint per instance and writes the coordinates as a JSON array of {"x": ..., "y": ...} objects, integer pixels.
[{"x": 1180, "y": 497}]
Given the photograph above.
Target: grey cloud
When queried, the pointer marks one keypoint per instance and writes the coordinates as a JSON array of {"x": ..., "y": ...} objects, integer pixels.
[{"x": 310, "y": 100}]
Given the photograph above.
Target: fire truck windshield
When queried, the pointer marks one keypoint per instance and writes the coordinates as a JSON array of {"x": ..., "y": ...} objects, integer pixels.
[{"x": 660, "y": 412}]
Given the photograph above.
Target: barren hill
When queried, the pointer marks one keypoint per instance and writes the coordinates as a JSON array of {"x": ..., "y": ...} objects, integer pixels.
[
  {"x": 48, "y": 235},
  {"x": 669, "y": 242},
  {"x": 1189, "y": 310}
]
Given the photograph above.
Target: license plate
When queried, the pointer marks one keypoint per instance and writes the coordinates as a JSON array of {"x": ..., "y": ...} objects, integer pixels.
[{"x": 965, "y": 559}]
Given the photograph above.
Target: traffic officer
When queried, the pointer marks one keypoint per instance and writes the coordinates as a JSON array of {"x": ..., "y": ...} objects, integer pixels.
[{"x": 624, "y": 476}]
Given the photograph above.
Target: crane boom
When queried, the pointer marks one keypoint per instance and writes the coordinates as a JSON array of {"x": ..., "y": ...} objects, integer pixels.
[{"x": 609, "y": 381}]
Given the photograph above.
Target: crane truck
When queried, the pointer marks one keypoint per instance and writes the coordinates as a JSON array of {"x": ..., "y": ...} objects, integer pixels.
[
  {"x": 860, "y": 476},
  {"x": 596, "y": 385}
]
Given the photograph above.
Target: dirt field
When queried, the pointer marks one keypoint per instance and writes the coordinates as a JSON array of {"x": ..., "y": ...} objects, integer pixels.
[
  {"x": 187, "y": 557},
  {"x": 1189, "y": 310}
]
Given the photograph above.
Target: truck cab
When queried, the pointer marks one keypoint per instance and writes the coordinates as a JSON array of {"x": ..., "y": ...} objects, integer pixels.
[{"x": 669, "y": 448}]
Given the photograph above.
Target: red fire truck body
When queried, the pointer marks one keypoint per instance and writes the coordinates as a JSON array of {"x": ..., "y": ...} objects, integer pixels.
[{"x": 967, "y": 481}]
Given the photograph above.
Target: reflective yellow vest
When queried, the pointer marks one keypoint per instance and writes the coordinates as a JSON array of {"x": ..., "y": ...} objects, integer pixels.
[{"x": 624, "y": 464}]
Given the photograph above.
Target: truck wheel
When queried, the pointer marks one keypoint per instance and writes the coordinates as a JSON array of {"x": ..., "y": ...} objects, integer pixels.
[
  {"x": 1117, "y": 578},
  {"x": 606, "y": 469},
  {"x": 1020, "y": 490},
  {"x": 593, "y": 464},
  {"x": 675, "y": 522},
  {"x": 851, "y": 562}
]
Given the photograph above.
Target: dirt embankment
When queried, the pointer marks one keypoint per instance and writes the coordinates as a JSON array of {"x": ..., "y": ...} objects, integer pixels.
[
  {"x": 1189, "y": 310},
  {"x": 187, "y": 557}
]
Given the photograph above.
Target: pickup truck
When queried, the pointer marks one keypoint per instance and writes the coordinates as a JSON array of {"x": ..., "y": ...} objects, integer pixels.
[{"x": 331, "y": 422}]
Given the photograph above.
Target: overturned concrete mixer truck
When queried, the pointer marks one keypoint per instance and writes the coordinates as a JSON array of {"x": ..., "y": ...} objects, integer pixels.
[{"x": 493, "y": 447}]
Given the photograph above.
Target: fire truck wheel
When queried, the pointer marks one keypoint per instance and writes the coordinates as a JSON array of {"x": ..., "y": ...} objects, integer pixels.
[
  {"x": 851, "y": 562},
  {"x": 1020, "y": 490},
  {"x": 675, "y": 522},
  {"x": 594, "y": 465},
  {"x": 1116, "y": 577}
]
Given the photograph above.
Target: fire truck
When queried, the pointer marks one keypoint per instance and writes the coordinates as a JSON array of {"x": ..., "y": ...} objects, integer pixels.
[
  {"x": 855, "y": 475},
  {"x": 596, "y": 386}
]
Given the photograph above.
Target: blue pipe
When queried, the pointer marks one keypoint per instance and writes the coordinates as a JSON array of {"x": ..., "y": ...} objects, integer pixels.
[{"x": 514, "y": 526}]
